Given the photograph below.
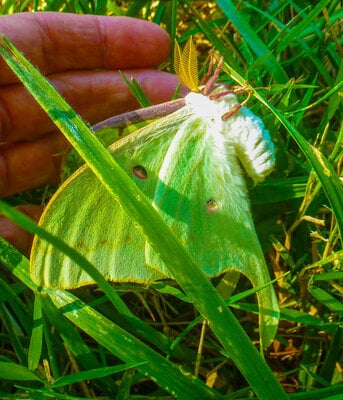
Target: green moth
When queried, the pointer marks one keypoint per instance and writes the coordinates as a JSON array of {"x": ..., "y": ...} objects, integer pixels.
[{"x": 189, "y": 164}]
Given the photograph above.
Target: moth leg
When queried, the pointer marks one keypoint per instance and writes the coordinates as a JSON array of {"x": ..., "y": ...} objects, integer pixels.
[{"x": 233, "y": 111}]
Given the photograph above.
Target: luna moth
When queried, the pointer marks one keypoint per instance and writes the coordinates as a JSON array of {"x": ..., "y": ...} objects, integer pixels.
[{"x": 189, "y": 164}]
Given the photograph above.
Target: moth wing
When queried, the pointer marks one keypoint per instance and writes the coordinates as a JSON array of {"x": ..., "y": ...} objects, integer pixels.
[
  {"x": 82, "y": 205},
  {"x": 201, "y": 194}
]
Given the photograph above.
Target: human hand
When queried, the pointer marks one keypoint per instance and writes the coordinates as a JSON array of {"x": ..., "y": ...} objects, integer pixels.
[{"x": 81, "y": 56}]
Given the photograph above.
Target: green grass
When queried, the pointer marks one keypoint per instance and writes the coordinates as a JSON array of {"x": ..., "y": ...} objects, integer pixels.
[{"x": 131, "y": 342}]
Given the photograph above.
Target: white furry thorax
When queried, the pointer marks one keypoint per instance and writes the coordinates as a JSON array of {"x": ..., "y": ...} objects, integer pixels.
[
  {"x": 243, "y": 130},
  {"x": 204, "y": 107}
]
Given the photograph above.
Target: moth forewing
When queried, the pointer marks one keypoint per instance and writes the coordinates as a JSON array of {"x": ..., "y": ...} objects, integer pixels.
[{"x": 117, "y": 249}]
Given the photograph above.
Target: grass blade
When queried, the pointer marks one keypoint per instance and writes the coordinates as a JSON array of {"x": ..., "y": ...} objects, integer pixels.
[
  {"x": 36, "y": 341},
  {"x": 251, "y": 37}
]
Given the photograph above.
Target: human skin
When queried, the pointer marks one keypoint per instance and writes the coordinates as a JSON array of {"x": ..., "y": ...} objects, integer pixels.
[{"x": 81, "y": 56}]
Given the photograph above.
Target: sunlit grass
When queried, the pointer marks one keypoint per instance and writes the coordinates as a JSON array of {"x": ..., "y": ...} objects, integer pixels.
[{"x": 296, "y": 53}]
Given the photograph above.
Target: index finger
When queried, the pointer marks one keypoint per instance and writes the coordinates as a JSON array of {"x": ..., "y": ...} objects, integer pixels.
[{"x": 57, "y": 42}]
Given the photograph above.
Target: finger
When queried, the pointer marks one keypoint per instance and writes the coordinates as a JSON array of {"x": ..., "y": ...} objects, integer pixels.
[
  {"x": 95, "y": 95},
  {"x": 57, "y": 42},
  {"x": 18, "y": 237},
  {"x": 31, "y": 164}
]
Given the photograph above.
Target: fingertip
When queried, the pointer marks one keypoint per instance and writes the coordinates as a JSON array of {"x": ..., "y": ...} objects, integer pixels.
[
  {"x": 159, "y": 86},
  {"x": 18, "y": 237},
  {"x": 27, "y": 165}
]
